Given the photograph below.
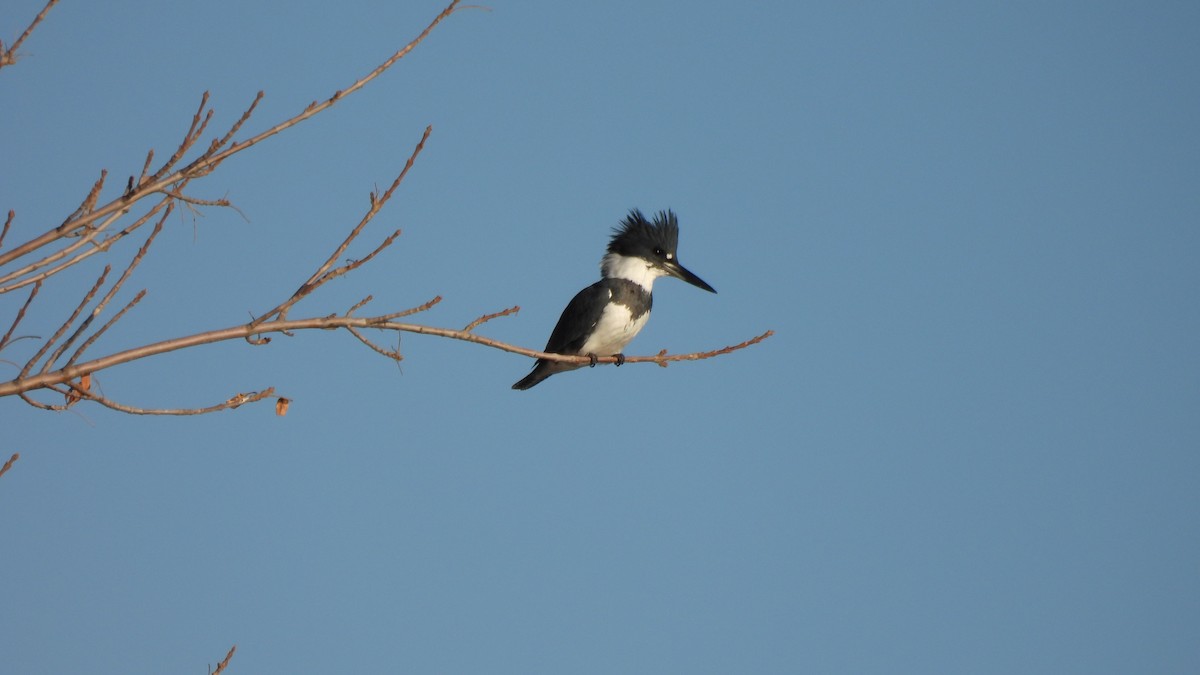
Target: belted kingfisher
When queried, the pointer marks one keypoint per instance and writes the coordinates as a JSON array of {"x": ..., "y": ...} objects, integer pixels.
[{"x": 602, "y": 318}]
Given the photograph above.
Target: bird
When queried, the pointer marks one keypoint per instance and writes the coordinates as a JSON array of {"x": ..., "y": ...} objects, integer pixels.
[{"x": 602, "y": 318}]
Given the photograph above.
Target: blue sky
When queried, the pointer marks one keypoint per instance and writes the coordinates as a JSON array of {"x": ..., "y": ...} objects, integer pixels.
[{"x": 971, "y": 446}]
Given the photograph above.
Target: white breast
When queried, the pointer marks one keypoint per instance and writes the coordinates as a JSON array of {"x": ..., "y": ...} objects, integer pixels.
[{"x": 613, "y": 331}]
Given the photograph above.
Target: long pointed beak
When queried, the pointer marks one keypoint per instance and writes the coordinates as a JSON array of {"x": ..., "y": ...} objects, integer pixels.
[{"x": 680, "y": 272}]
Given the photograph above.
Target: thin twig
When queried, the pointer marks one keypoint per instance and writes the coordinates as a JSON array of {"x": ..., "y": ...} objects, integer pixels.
[
  {"x": 662, "y": 357},
  {"x": 7, "y": 223},
  {"x": 352, "y": 265},
  {"x": 8, "y": 465},
  {"x": 25, "y": 397},
  {"x": 359, "y": 305},
  {"x": 197, "y": 201},
  {"x": 70, "y": 392},
  {"x": 314, "y": 107},
  {"x": 488, "y": 317},
  {"x": 241, "y": 120},
  {"x": 413, "y": 310},
  {"x": 20, "y": 314},
  {"x": 74, "y": 394},
  {"x": 235, "y": 401},
  {"x": 221, "y": 665},
  {"x": 393, "y": 354},
  {"x": 145, "y": 168},
  {"x": 86, "y": 206}
]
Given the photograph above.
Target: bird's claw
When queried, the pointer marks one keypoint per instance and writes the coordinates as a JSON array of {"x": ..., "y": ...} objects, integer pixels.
[{"x": 593, "y": 360}]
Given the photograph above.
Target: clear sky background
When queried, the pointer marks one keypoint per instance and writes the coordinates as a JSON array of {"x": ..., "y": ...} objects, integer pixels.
[{"x": 973, "y": 445}]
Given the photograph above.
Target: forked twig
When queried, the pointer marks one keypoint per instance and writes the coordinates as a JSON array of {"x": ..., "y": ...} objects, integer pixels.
[
  {"x": 326, "y": 272},
  {"x": 220, "y": 149},
  {"x": 9, "y": 56}
]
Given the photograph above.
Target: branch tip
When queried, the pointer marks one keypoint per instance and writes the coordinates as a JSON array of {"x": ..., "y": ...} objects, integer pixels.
[
  {"x": 488, "y": 317},
  {"x": 223, "y": 664},
  {"x": 8, "y": 465}
]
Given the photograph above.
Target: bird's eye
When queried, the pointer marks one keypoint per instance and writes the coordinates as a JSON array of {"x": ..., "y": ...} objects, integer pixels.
[{"x": 658, "y": 252}]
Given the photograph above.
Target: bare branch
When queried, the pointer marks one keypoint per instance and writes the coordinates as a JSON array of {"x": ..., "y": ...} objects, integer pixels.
[
  {"x": 46, "y": 379},
  {"x": 90, "y": 223},
  {"x": 235, "y": 401},
  {"x": 314, "y": 107},
  {"x": 212, "y": 157},
  {"x": 9, "y": 56}
]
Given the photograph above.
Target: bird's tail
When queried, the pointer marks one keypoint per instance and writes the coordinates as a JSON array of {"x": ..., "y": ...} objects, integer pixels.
[{"x": 540, "y": 372}]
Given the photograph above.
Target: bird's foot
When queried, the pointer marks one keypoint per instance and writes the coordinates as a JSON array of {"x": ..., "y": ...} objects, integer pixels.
[
  {"x": 593, "y": 359},
  {"x": 620, "y": 359}
]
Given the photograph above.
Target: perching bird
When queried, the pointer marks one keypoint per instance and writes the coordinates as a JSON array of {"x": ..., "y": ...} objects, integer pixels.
[{"x": 605, "y": 316}]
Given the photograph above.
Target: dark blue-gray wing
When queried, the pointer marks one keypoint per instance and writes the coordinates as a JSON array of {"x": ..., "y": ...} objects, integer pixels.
[
  {"x": 578, "y": 319},
  {"x": 569, "y": 334}
]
